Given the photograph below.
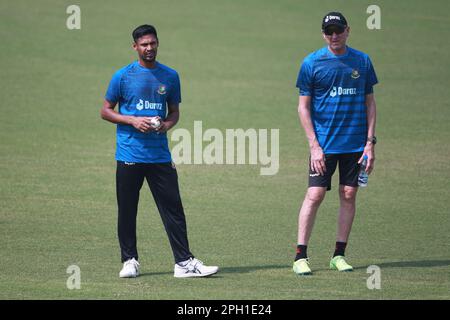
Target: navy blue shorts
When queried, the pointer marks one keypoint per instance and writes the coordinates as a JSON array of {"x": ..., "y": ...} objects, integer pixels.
[{"x": 348, "y": 170}]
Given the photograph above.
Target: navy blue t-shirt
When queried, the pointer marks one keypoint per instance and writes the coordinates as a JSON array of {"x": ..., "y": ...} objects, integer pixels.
[
  {"x": 143, "y": 92},
  {"x": 338, "y": 85}
]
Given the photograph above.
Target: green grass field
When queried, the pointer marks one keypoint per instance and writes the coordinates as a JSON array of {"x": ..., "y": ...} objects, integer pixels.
[{"x": 57, "y": 167}]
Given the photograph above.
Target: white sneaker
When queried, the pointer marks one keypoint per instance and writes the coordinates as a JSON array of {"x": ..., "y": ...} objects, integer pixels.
[
  {"x": 193, "y": 268},
  {"x": 130, "y": 269}
]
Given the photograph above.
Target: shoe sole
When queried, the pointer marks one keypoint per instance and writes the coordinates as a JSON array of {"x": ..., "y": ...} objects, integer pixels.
[
  {"x": 332, "y": 267},
  {"x": 307, "y": 273},
  {"x": 195, "y": 275},
  {"x": 129, "y": 276}
]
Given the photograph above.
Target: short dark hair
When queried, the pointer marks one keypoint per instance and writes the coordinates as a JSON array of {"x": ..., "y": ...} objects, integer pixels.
[{"x": 144, "y": 30}]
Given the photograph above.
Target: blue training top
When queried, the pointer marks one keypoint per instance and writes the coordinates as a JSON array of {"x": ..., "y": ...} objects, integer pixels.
[
  {"x": 143, "y": 92},
  {"x": 338, "y": 85}
]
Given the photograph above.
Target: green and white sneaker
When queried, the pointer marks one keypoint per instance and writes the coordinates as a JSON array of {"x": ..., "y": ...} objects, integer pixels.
[
  {"x": 339, "y": 263},
  {"x": 301, "y": 267}
]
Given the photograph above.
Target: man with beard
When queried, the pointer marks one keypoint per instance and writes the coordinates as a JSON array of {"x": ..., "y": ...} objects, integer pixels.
[{"x": 148, "y": 94}]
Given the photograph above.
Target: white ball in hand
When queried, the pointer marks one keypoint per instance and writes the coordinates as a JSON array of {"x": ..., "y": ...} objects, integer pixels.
[{"x": 155, "y": 123}]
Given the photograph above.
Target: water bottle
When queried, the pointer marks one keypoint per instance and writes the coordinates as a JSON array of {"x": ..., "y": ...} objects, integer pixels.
[{"x": 363, "y": 177}]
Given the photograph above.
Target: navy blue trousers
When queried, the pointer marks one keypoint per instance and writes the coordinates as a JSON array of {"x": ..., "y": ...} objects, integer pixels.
[{"x": 162, "y": 179}]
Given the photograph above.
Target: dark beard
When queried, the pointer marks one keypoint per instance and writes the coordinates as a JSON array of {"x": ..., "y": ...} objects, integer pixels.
[{"x": 144, "y": 58}]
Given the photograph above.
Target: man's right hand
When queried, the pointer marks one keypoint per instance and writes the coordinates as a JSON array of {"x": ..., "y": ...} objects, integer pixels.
[
  {"x": 318, "y": 160},
  {"x": 142, "y": 124}
]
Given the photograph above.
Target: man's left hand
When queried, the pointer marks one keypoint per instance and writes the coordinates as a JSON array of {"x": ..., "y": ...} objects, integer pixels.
[
  {"x": 162, "y": 128},
  {"x": 369, "y": 150}
]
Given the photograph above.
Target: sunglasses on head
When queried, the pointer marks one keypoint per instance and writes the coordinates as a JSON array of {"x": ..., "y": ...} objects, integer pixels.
[{"x": 330, "y": 30}]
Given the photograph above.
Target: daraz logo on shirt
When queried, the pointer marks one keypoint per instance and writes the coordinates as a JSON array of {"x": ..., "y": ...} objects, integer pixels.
[
  {"x": 144, "y": 104},
  {"x": 342, "y": 91}
]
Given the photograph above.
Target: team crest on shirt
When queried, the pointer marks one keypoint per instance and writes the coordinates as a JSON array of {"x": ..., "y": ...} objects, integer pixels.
[
  {"x": 355, "y": 74},
  {"x": 162, "y": 89}
]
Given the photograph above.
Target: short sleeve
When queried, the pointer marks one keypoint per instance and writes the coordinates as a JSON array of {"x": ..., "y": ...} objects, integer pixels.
[
  {"x": 113, "y": 92},
  {"x": 175, "y": 91},
  {"x": 305, "y": 78},
  {"x": 371, "y": 77}
]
